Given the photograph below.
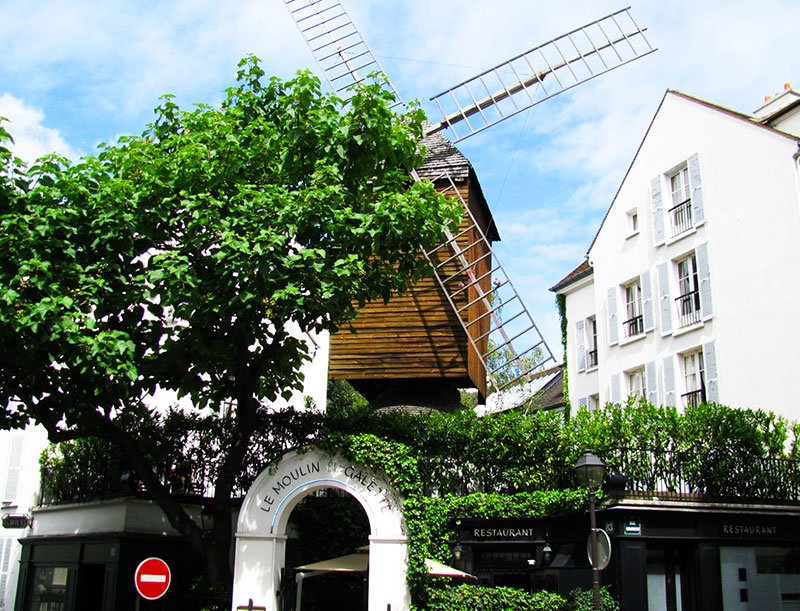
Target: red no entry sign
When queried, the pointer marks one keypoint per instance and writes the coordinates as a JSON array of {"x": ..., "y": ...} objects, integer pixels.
[{"x": 152, "y": 578}]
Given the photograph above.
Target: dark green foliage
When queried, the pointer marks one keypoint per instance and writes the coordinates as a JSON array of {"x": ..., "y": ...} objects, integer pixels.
[
  {"x": 561, "y": 307},
  {"x": 711, "y": 449},
  {"x": 462, "y": 453},
  {"x": 80, "y": 470},
  {"x": 583, "y": 600},
  {"x": 185, "y": 449},
  {"x": 478, "y": 598},
  {"x": 344, "y": 402}
]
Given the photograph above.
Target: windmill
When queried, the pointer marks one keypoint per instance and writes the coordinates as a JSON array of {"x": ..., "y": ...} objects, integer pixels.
[{"x": 503, "y": 344}]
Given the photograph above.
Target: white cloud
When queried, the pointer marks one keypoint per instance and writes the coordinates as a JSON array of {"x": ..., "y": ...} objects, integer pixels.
[{"x": 32, "y": 138}]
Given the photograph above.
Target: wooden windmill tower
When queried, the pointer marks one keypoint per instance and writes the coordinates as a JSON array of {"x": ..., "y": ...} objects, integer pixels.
[{"x": 465, "y": 325}]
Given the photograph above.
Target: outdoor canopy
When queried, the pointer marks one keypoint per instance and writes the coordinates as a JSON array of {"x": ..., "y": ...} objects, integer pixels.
[{"x": 359, "y": 563}]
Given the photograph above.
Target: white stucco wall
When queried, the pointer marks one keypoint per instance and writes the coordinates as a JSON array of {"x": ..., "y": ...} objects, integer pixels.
[
  {"x": 752, "y": 222},
  {"x": 19, "y": 485}
]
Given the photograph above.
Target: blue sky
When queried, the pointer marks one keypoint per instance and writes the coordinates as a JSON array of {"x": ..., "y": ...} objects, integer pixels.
[{"x": 81, "y": 72}]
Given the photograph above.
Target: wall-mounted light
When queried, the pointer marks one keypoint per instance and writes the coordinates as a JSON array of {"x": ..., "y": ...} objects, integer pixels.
[{"x": 547, "y": 553}]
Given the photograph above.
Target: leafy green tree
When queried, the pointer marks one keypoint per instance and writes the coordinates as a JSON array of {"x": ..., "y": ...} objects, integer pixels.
[{"x": 183, "y": 258}]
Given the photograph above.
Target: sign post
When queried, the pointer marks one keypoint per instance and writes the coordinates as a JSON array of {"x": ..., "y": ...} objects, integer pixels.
[
  {"x": 152, "y": 578},
  {"x": 602, "y": 542}
]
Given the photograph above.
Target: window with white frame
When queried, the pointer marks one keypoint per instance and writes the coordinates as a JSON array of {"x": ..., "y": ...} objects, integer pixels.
[
  {"x": 693, "y": 379},
  {"x": 688, "y": 300},
  {"x": 680, "y": 213},
  {"x": 634, "y": 323},
  {"x": 594, "y": 402},
  {"x": 636, "y": 383}
]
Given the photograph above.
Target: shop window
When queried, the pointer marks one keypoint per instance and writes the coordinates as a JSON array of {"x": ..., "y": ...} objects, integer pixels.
[{"x": 48, "y": 589}]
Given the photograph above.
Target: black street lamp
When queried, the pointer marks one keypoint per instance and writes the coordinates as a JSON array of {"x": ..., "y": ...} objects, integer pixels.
[{"x": 589, "y": 471}]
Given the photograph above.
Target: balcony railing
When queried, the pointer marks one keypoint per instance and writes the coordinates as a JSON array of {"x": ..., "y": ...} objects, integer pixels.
[
  {"x": 704, "y": 474},
  {"x": 694, "y": 397},
  {"x": 634, "y": 326},
  {"x": 688, "y": 308},
  {"x": 681, "y": 217},
  {"x": 591, "y": 358}
]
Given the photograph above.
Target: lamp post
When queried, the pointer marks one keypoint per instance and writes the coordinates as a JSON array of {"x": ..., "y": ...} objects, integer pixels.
[{"x": 589, "y": 471}]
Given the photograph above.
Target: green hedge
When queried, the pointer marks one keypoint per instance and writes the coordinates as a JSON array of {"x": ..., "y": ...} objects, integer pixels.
[{"x": 480, "y": 598}]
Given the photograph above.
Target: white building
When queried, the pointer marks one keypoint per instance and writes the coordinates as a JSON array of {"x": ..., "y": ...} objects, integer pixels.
[
  {"x": 688, "y": 292},
  {"x": 19, "y": 484}
]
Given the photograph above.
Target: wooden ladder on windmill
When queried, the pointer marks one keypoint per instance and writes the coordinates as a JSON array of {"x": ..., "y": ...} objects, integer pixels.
[{"x": 515, "y": 349}]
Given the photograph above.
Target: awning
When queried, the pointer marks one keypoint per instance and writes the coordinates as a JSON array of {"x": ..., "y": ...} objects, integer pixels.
[
  {"x": 359, "y": 563},
  {"x": 351, "y": 563},
  {"x": 437, "y": 569}
]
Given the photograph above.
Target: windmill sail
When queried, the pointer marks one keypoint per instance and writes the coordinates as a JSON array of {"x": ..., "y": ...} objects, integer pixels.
[
  {"x": 540, "y": 73},
  {"x": 337, "y": 45},
  {"x": 497, "y": 324}
]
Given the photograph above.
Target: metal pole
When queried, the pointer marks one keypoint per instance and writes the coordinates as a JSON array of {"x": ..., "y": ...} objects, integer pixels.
[{"x": 595, "y": 558}]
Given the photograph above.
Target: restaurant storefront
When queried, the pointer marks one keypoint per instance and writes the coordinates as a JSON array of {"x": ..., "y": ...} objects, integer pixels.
[{"x": 665, "y": 556}]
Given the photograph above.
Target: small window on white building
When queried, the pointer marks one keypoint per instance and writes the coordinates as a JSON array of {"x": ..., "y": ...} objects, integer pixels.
[
  {"x": 633, "y": 222},
  {"x": 634, "y": 323},
  {"x": 694, "y": 384},
  {"x": 636, "y": 383},
  {"x": 688, "y": 300},
  {"x": 680, "y": 213},
  {"x": 594, "y": 402}
]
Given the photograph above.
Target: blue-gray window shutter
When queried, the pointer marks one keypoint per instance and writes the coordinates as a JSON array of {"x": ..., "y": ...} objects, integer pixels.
[
  {"x": 613, "y": 328},
  {"x": 615, "y": 388},
  {"x": 710, "y": 372},
  {"x": 665, "y": 303},
  {"x": 579, "y": 340},
  {"x": 704, "y": 276},
  {"x": 652, "y": 385},
  {"x": 669, "y": 381},
  {"x": 695, "y": 181},
  {"x": 657, "y": 210},
  {"x": 647, "y": 302}
]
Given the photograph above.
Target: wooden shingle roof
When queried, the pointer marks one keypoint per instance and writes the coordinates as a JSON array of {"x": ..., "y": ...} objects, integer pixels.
[{"x": 441, "y": 155}]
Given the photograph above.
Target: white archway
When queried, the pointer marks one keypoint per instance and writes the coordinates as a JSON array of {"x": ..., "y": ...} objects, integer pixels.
[{"x": 261, "y": 529}]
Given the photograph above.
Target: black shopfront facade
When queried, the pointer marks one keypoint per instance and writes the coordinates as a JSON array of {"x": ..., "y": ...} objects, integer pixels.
[{"x": 665, "y": 556}]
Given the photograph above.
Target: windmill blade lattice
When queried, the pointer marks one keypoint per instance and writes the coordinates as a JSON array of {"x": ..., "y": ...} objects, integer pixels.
[
  {"x": 540, "y": 73},
  {"x": 337, "y": 45},
  {"x": 511, "y": 325}
]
